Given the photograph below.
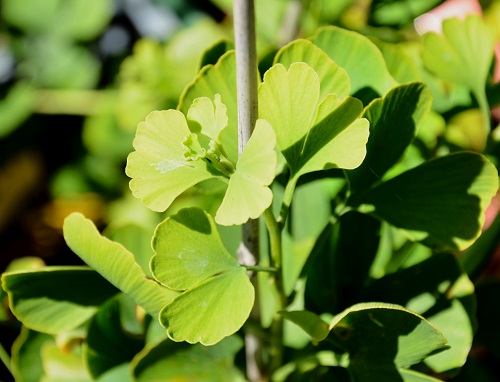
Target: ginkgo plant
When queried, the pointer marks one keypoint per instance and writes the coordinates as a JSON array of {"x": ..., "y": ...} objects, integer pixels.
[{"x": 330, "y": 172}]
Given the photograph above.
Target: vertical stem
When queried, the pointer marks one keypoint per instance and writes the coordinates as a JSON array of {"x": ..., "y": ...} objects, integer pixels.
[
  {"x": 246, "y": 69},
  {"x": 246, "y": 84}
]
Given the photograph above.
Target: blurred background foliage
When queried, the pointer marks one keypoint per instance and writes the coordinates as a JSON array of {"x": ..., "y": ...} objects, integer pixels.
[{"x": 76, "y": 76}]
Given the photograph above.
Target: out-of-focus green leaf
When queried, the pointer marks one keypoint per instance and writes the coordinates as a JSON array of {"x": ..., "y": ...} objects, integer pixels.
[
  {"x": 463, "y": 54},
  {"x": 62, "y": 365},
  {"x": 26, "y": 355},
  {"x": 400, "y": 12},
  {"x": 103, "y": 137},
  {"x": 313, "y": 325},
  {"x": 465, "y": 130},
  {"x": 333, "y": 79},
  {"x": 399, "y": 62},
  {"x": 394, "y": 121},
  {"x": 54, "y": 63},
  {"x": 119, "y": 373},
  {"x": 444, "y": 212},
  {"x": 71, "y": 19},
  {"x": 382, "y": 338},
  {"x": 114, "y": 263},
  {"x": 358, "y": 56},
  {"x": 16, "y": 107},
  {"x": 173, "y": 362},
  {"x": 108, "y": 344},
  {"x": 38, "y": 300}
]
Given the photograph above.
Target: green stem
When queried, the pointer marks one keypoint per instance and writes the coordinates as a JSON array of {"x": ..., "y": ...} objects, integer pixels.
[
  {"x": 485, "y": 109},
  {"x": 4, "y": 357},
  {"x": 260, "y": 268},
  {"x": 276, "y": 340},
  {"x": 274, "y": 238},
  {"x": 287, "y": 198}
]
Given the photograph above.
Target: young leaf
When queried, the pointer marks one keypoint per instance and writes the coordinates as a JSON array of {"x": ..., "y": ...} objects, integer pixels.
[
  {"x": 358, "y": 56},
  {"x": 445, "y": 212},
  {"x": 248, "y": 194},
  {"x": 218, "y": 295},
  {"x": 394, "y": 121},
  {"x": 37, "y": 299},
  {"x": 333, "y": 79},
  {"x": 170, "y": 158},
  {"x": 312, "y": 136},
  {"x": 158, "y": 168},
  {"x": 217, "y": 79},
  {"x": 114, "y": 263}
]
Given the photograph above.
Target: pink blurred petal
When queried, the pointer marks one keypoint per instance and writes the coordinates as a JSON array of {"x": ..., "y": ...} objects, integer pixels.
[{"x": 432, "y": 20}]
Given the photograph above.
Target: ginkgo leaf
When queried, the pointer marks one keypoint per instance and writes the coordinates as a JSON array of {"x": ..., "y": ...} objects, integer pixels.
[
  {"x": 113, "y": 262},
  {"x": 179, "y": 261},
  {"x": 210, "y": 311},
  {"x": 217, "y": 79},
  {"x": 312, "y": 135},
  {"x": 218, "y": 294},
  {"x": 463, "y": 54},
  {"x": 333, "y": 78},
  {"x": 358, "y": 56},
  {"x": 444, "y": 212},
  {"x": 382, "y": 339},
  {"x": 158, "y": 168},
  {"x": 247, "y": 195},
  {"x": 394, "y": 121},
  {"x": 207, "y": 117}
]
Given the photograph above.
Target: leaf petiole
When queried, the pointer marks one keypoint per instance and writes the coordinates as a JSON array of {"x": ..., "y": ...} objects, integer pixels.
[{"x": 259, "y": 268}]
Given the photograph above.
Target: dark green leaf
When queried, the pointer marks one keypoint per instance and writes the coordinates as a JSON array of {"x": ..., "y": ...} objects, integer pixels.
[
  {"x": 440, "y": 202},
  {"x": 38, "y": 299}
]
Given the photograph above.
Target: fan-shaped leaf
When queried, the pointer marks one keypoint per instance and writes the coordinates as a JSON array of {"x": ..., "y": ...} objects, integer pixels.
[
  {"x": 39, "y": 302},
  {"x": 333, "y": 79},
  {"x": 311, "y": 135},
  {"x": 179, "y": 261},
  {"x": 158, "y": 168},
  {"x": 248, "y": 194},
  {"x": 358, "y": 56},
  {"x": 394, "y": 121},
  {"x": 440, "y": 202},
  {"x": 212, "y": 310},
  {"x": 114, "y": 263}
]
